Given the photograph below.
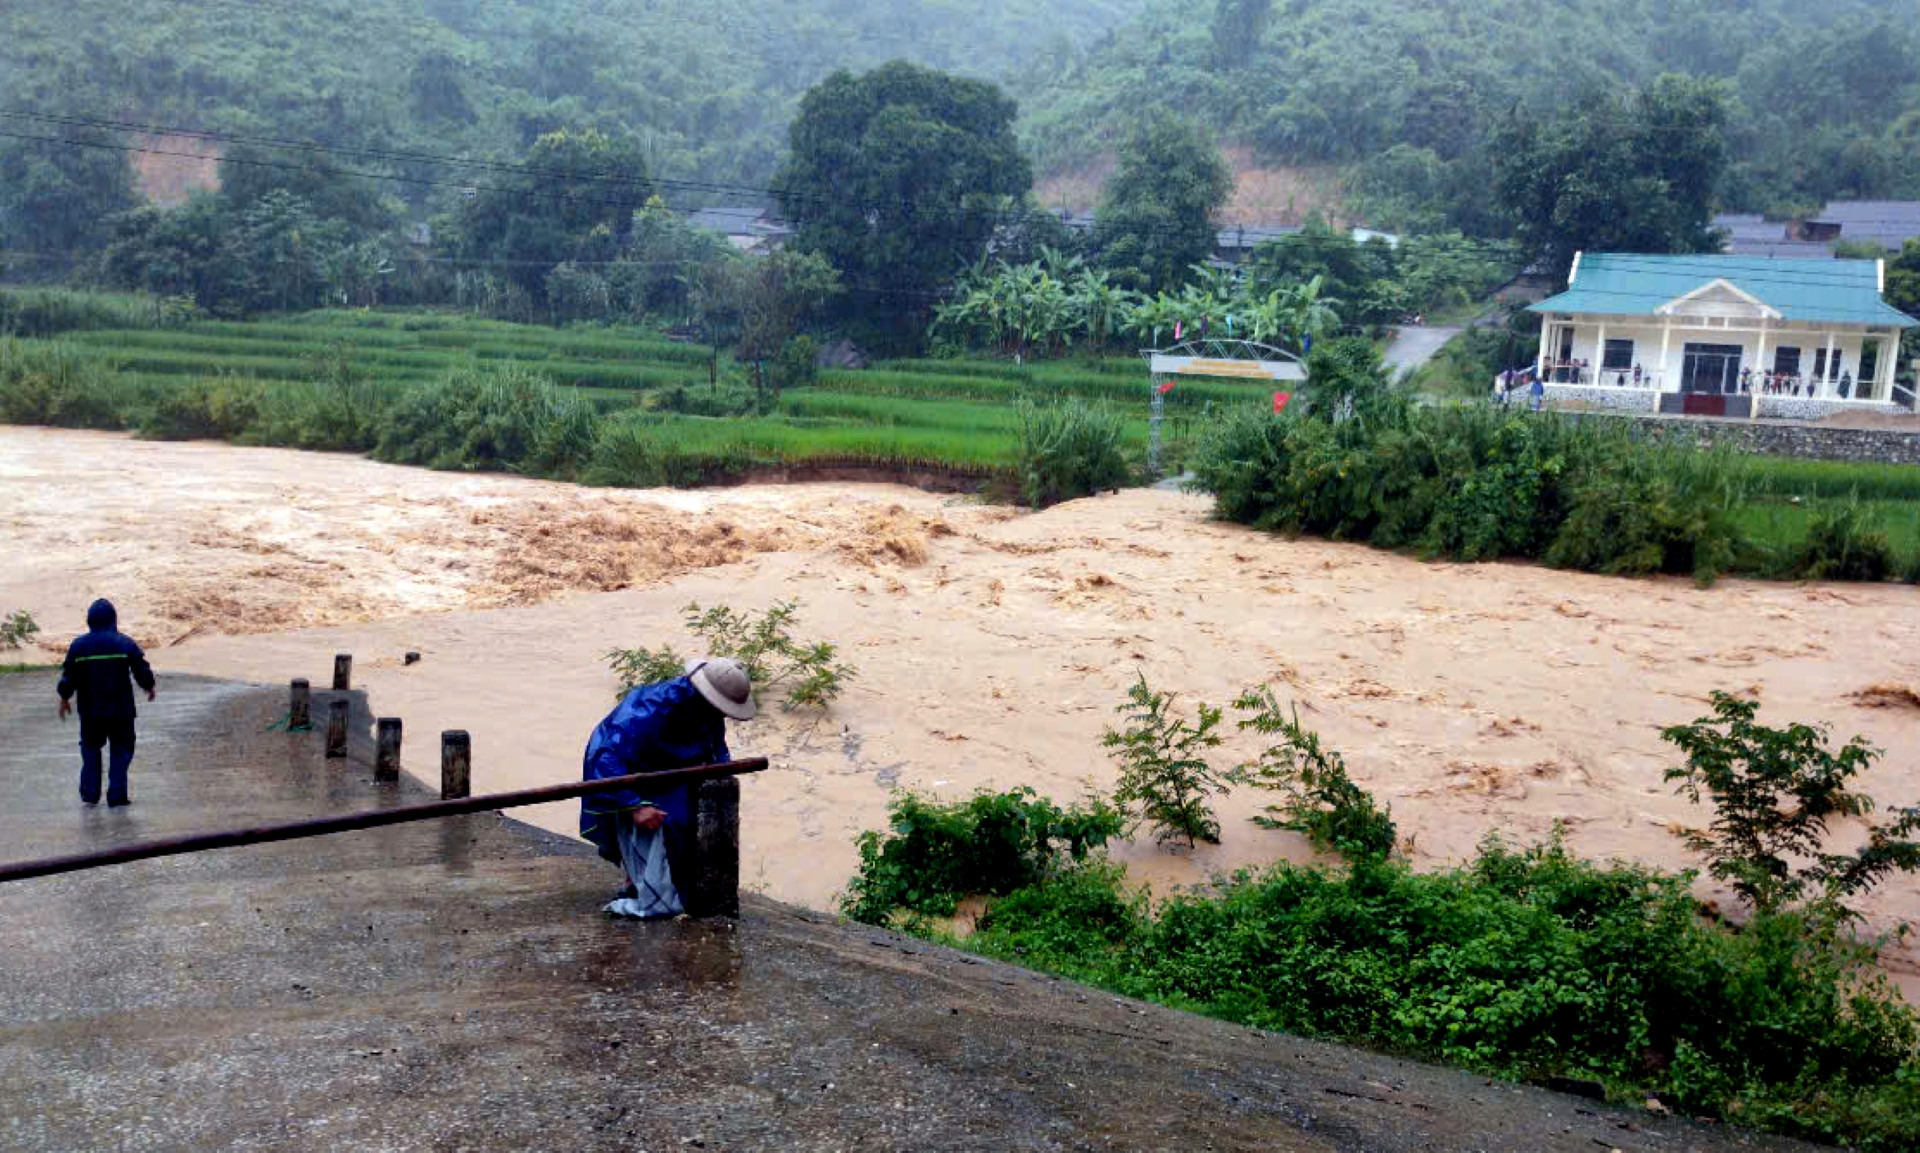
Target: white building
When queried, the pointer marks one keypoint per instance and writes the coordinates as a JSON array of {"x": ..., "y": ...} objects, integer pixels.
[{"x": 1723, "y": 336}]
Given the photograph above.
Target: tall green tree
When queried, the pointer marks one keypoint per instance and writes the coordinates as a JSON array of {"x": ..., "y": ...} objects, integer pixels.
[
  {"x": 576, "y": 202},
  {"x": 1238, "y": 26},
  {"x": 1157, "y": 209},
  {"x": 55, "y": 198},
  {"x": 898, "y": 177},
  {"x": 1614, "y": 175}
]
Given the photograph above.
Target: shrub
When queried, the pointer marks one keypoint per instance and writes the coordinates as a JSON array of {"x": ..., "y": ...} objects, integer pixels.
[
  {"x": 1773, "y": 792},
  {"x": 58, "y": 384},
  {"x": 934, "y": 854},
  {"x": 491, "y": 419},
  {"x": 1321, "y": 800},
  {"x": 18, "y": 629},
  {"x": 1163, "y": 765},
  {"x": 1069, "y": 449},
  {"x": 224, "y": 408},
  {"x": 1471, "y": 483},
  {"x": 763, "y": 643},
  {"x": 1842, "y": 544}
]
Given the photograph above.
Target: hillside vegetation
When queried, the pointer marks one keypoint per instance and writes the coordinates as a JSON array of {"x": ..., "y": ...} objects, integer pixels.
[
  {"x": 711, "y": 86},
  {"x": 1827, "y": 95}
]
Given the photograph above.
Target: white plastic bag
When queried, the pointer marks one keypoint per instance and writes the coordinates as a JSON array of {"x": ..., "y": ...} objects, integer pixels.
[{"x": 645, "y": 856}]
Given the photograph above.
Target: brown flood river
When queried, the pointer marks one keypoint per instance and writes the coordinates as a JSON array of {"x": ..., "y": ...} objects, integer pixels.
[{"x": 991, "y": 646}]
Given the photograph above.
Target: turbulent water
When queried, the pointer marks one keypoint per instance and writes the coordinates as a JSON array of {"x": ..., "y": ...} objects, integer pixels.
[{"x": 992, "y": 647}]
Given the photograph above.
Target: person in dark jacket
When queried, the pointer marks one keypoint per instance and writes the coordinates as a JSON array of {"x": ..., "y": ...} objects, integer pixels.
[
  {"x": 676, "y": 724},
  {"x": 101, "y": 669}
]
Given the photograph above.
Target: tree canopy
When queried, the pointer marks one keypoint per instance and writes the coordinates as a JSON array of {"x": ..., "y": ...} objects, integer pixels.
[
  {"x": 899, "y": 178},
  {"x": 1156, "y": 211},
  {"x": 1615, "y": 175}
]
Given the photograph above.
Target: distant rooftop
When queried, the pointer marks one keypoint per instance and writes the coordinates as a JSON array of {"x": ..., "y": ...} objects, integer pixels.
[{"x": 1887, "y": 223}]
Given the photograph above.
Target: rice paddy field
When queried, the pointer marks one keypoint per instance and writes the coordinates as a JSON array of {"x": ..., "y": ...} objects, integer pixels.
[{"x": 957, "y": 415}]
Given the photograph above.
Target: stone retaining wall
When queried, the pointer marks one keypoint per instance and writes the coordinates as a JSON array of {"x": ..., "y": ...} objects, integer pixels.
[
  {"x": 1815, "y": 407},
  {"x": 1878, "y": 445},
  {"x": 1612, "y": 398}
]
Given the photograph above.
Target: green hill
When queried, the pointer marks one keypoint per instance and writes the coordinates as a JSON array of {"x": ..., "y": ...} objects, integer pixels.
[
  {"x": 710, "y": 87},
  {"x": 1827, "y": 95}
]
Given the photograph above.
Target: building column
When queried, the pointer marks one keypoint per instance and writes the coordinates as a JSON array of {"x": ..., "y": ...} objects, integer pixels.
[
  {"x": 1546, "y": 334},
  {"x": 1600, "y": 353},
  {"x": 1759, "y": 373},
  {"x": 1666, "y": 342},
  {"x": 1829, "y": 376}
]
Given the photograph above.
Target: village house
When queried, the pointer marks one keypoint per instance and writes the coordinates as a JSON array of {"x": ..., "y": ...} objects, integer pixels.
[{"x": 1723, "y": 336}]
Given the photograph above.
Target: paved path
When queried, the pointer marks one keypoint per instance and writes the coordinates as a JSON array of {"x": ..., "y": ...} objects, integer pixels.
[
  {"x": 1413, "y": 347},
  {"x": 451, "y": 986}
]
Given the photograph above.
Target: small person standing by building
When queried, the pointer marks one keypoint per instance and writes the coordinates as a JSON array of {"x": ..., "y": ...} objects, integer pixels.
[
  {"x": 101, "y": 669},
  {"x": 1538, "y": 394}
]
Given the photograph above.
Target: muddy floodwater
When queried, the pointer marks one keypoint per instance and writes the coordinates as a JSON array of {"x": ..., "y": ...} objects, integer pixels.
[{"x": 991, "y": 646}]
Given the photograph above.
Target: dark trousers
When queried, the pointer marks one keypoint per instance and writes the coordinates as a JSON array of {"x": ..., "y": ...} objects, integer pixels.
[{"x": 93, "y": 736}]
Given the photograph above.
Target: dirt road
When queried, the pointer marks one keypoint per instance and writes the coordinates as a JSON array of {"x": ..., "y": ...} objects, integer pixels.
[{"x": 992, "y": 647}]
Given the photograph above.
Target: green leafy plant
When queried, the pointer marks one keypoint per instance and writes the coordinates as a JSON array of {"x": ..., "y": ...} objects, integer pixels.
[
  {"x": 18, "y": 629},
  {"x": 992, "y": 844},
  {"x": 1163, "y": 765},
  {"x": 1842, "y": 544},
  {"x": 1321, "y": 800},
  {"x": 1068, "y": 449},
  {"x": 811, "y": 672},
  {"x": 1773, "y": 793}
]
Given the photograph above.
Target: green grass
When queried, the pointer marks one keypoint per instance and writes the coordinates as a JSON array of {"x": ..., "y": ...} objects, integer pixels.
[
  {"x": 1776, "y": 476},
  {"x": 1782, "y": 523}
]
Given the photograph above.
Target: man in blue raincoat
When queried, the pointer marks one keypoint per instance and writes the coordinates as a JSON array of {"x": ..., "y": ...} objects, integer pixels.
[
  {"x": 102, "y": 667},
  {"x": 677, "y": 724}
]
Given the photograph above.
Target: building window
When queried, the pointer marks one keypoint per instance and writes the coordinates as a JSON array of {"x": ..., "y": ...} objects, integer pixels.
[
  {"x": 1786, "y": 361},
  {"x": 1618, "y": 354},
  {"x": 1821, "y": 367},
  {"x": 1870, "y": 361}
]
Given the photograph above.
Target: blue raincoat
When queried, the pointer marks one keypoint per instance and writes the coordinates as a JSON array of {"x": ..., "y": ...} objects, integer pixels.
[{"x": 654, "y": 728}]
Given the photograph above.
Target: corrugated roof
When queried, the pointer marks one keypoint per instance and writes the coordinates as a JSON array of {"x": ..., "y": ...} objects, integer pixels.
[
  {"x": 1625, "y": 284},
  {"x": 1888, "y": 223},
  {"x": 728, "y": 219}
]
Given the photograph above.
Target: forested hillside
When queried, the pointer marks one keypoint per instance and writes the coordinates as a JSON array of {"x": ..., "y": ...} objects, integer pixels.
[
  {"x": 710, "y": 87},
  {"x": 1827, "y": 95}
]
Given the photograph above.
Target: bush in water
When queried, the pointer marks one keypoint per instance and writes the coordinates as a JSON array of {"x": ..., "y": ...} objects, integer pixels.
[{"x": 1068, "y": 449}]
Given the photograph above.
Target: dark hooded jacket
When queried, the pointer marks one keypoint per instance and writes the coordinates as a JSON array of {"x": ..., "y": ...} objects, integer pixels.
[
  {"x": 102, "y": 668},
  {"x": 654, "y": 728}
]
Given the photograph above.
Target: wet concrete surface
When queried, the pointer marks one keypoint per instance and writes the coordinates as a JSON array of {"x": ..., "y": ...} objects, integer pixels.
[{"x": 452, "y": 986}]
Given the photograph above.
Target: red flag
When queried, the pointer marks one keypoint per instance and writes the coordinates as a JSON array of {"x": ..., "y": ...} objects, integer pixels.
[
  {"x": 1166, "y": 388},
  {"x": 1280, "y": 400}
]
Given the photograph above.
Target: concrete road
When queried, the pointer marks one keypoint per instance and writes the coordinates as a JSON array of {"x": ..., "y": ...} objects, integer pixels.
[
  {"x": 453, "y": 986},
  {"x": 1413, "y": 347}
]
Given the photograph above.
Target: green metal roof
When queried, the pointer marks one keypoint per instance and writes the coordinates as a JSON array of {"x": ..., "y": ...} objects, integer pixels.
[{"x": 1817, "y": 291}]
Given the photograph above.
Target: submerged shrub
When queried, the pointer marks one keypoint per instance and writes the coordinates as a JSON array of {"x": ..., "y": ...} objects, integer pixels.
[
  {"x": 499, "y": 419},
  {"x": 811, "y": 672},
  {"x": 1322, "y": 801},
  {"x": 992, "y": 844},
  {"x": 1473, "y": 484},
  {"x": 1842, "y": 543},
  {"x": 1068, "y": 449},
  {"x": 60, "y": 385}
]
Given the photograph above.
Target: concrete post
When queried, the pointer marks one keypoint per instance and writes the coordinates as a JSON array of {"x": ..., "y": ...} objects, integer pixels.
[
  {"x": 386, "y": 756},
  {"x": 342, "y": 672},
  {"x": 715, "y": 891},
  {"x": 336, "y": 728},
  {"x": 456, "y": 765},
  {"x": 300, "y": 708}
]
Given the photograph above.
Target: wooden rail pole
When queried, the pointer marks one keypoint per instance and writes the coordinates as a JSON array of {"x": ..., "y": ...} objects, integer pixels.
[
  {"x": 342, "y": 672},
  {"x": 300, "y": 707},
  {"x": 377, "y": 819},
  {"x": 337, "y": 728},
  {"x": 716, "y": 877},
  {"x": 456, "y": 765},
  {"x": 386, "y": 755}
]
